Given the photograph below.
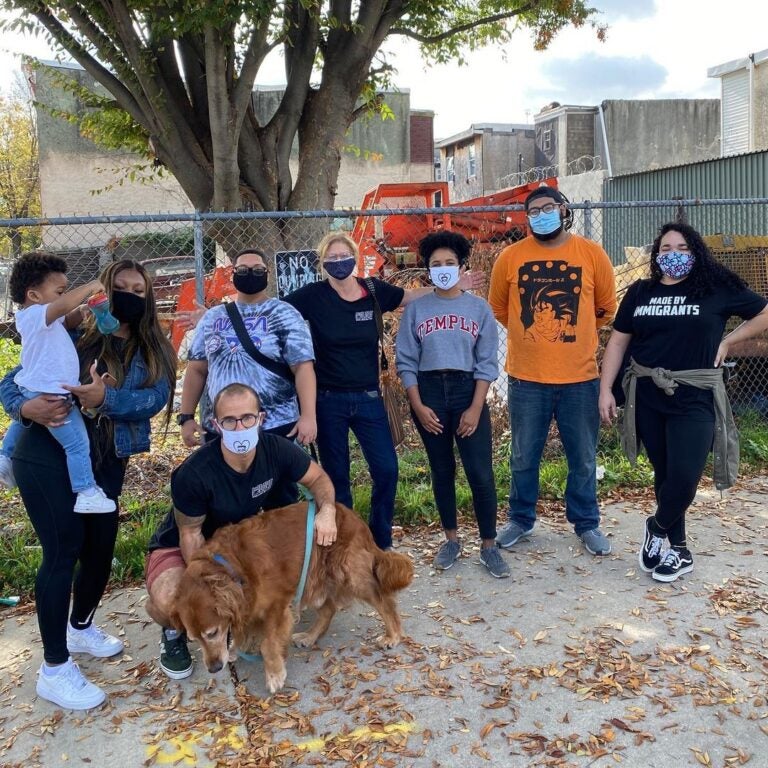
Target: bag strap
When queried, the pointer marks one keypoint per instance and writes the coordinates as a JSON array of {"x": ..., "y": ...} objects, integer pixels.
[
  {"x": 274, "y": 366},
  {"x": 379, "y": 321}
]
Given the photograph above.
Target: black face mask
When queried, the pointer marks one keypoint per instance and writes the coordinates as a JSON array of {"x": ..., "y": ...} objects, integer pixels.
[
  {"x": 250, "y": 283},
  {"x": 127, "y": 307}
]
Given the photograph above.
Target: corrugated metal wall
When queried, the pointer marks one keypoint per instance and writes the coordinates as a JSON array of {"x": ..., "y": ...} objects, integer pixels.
[{"x": 738, "y": 176}]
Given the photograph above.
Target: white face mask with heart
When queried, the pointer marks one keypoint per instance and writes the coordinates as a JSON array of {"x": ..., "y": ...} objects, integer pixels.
[
  {"x": 240, "y": 440},
  {"x": 444, "y": 277}
]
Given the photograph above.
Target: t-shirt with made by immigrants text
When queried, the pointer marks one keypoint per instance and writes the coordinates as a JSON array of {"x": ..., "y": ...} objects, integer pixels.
[{"x": 671, "y": 329}]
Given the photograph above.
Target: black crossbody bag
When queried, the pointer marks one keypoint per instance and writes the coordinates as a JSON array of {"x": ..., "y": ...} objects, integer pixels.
[{"x": 274, "y": 366}]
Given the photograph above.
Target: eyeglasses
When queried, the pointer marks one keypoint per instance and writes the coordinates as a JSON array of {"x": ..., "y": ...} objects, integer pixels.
[
  {"x": 230, "y": 422},
  {"x": 548, "y": 208},
  {"x": 339, "y": 256},
  {"x": 242, "y": 271}
]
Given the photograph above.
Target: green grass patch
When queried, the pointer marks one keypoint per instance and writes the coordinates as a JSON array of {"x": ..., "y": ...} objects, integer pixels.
[
  {"x": 753, "y": 431},
  {"x": 415, "y": 504},
  {"x": 138, "y": 522},
  {"x": 20, "y": 552}
]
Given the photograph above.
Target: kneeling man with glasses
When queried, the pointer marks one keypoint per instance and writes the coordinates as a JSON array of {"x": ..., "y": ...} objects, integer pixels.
[{"x": 229, "y": 479}]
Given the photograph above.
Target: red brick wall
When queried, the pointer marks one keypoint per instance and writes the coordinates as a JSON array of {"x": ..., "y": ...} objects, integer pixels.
[{"x": 422, "y": 139}]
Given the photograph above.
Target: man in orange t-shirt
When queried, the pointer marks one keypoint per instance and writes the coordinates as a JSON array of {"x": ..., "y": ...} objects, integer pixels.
[{"x": 552, "y": 291}]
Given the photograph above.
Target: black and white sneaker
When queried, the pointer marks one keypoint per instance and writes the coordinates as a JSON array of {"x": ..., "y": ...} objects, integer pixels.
[
  {"x": 650, "y": 553},
  {"x": 674, "y": 563}
]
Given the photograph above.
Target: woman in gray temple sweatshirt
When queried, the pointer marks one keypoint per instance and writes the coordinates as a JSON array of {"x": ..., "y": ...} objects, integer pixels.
[{"x": 447, "y": 349}]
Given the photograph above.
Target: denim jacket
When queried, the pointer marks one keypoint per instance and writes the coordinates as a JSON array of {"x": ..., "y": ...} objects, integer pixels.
[{"x": 130, "y": 406}]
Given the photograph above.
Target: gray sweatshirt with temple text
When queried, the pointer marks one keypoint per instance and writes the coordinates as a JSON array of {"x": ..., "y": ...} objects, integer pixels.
[{"x": 439, "y": 333}]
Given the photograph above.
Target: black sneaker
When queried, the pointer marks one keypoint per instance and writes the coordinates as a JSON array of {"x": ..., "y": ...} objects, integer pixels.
[
  {"x": 650, "y": 553},
  {"x": 175, "y": 660},
  {"x": 674, "y": 563}
]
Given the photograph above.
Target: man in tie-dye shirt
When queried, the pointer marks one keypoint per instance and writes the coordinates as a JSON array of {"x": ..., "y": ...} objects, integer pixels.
[{"x": 217, "y": 359}]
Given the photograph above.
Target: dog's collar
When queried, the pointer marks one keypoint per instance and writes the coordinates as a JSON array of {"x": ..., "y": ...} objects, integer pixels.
[{"x": 221, "y": 560}]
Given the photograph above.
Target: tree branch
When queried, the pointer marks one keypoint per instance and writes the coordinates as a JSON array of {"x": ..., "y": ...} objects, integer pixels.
[
  {"x": 252, "y": 61},
  {"x": 432, "y": 39},
  {"x": 69, "y": 43}
]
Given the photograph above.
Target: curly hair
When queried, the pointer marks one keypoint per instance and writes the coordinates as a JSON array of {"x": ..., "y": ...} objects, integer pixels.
[
  {"x": 453, "y": 241},
  {"x": 31, "y": 270},
  {"x": 707, "y": 273}
]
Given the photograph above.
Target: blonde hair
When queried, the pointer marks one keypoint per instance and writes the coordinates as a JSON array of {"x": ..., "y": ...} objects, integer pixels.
[{"x": 335, "y": 237}]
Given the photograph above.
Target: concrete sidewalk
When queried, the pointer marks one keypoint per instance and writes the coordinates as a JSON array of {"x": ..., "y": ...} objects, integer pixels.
[{"x": 575, "y": 660}]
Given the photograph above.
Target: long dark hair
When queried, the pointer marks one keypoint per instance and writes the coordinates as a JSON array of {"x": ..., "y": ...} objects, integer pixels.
[
  {"x": 707, "y": 272},
  {"x": 147, "y": 337}
]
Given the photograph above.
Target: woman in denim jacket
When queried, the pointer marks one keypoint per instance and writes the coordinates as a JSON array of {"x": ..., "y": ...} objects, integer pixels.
[{"x": 128, "y": 377}]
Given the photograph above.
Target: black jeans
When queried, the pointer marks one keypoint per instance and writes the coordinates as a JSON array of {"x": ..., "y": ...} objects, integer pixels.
[
  {"x": 67, "y": 538},
  {"x": 449, "y": 395},
  {"x": 677, "y": 448}
]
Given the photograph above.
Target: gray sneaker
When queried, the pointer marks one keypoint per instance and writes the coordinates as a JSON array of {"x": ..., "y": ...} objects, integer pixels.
[
  {"x": 596, "y": 542},
  {"x": 447, "y": 555},
  {"x": 511, "y": 533},
  {"x": 491, "y": 558}
]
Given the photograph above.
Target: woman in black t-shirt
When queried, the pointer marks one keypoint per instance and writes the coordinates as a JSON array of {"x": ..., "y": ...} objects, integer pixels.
[
  {"x": 675, "y": 321},
  {"x": 340, "y": 312},
  {"x": 132, "y": 380}
]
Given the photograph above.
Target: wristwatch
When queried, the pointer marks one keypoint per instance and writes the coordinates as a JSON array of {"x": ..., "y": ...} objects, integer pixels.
[{"x": 183, "y": 418}]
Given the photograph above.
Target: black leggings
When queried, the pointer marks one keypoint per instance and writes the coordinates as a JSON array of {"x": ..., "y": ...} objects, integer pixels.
[
  {"x": 66, "y": 538},
  {"x": 677, "y": 447}
]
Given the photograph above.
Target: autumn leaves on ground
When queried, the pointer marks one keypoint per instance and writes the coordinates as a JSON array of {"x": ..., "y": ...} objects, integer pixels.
[{"x": 574, "y": 661}]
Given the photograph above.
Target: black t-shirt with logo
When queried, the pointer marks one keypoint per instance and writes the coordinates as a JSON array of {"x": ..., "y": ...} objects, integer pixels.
[
  {"x": 344, "y": 333},
  {"x": 672, "y": 330},
  {"x": 204, "y": 485}
]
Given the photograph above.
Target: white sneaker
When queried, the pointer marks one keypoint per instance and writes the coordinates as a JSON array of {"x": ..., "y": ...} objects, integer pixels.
[
  {"x": 93, "y": 640},
  {"x": 6, "y": 472},
  {"x": 94, "y": 501},
  {"x": 68, "y": 688}
]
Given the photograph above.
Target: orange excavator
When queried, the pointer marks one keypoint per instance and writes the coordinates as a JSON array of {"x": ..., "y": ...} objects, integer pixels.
[{"x": 387, "y": 242}]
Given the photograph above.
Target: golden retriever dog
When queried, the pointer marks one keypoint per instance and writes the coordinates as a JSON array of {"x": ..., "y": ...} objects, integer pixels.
[{"x": 247, "y": 600}]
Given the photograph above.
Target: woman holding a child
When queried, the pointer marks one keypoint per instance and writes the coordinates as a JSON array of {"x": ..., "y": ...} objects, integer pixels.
[{"x": 127, "y": 377}]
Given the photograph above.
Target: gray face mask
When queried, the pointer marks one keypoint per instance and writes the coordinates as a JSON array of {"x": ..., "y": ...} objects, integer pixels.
[{"x": 240, "y": 440}]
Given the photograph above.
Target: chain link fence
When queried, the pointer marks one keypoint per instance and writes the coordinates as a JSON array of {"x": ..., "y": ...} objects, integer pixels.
[{"x": 182, "y": 252}]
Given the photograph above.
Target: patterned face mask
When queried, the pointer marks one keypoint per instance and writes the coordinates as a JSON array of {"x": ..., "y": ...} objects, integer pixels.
[{"x": 675, "y": 264}]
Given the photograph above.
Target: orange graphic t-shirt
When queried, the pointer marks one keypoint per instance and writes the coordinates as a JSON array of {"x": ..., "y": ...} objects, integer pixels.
[{"x": 552, "y": 301}]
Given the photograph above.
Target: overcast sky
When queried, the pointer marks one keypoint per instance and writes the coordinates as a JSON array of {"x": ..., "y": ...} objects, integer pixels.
[{"x": 654, "y": 49}]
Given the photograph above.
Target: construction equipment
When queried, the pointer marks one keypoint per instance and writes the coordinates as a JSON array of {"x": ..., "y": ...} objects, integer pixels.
[{"x": 387, "y": 243}]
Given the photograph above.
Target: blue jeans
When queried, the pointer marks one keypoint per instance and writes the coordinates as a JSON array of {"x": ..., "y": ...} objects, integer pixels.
[
  {"x": 449, "y": 395},
  {"x": 364, "y": 414},
  {"x": 574, "y": 407},
  {"x": 71, "y": 436}
]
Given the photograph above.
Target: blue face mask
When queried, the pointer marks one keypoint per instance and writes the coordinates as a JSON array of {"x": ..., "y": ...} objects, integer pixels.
[
  {"x": 341, "y": 268},
  {"x": 546, "y": 223}
]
